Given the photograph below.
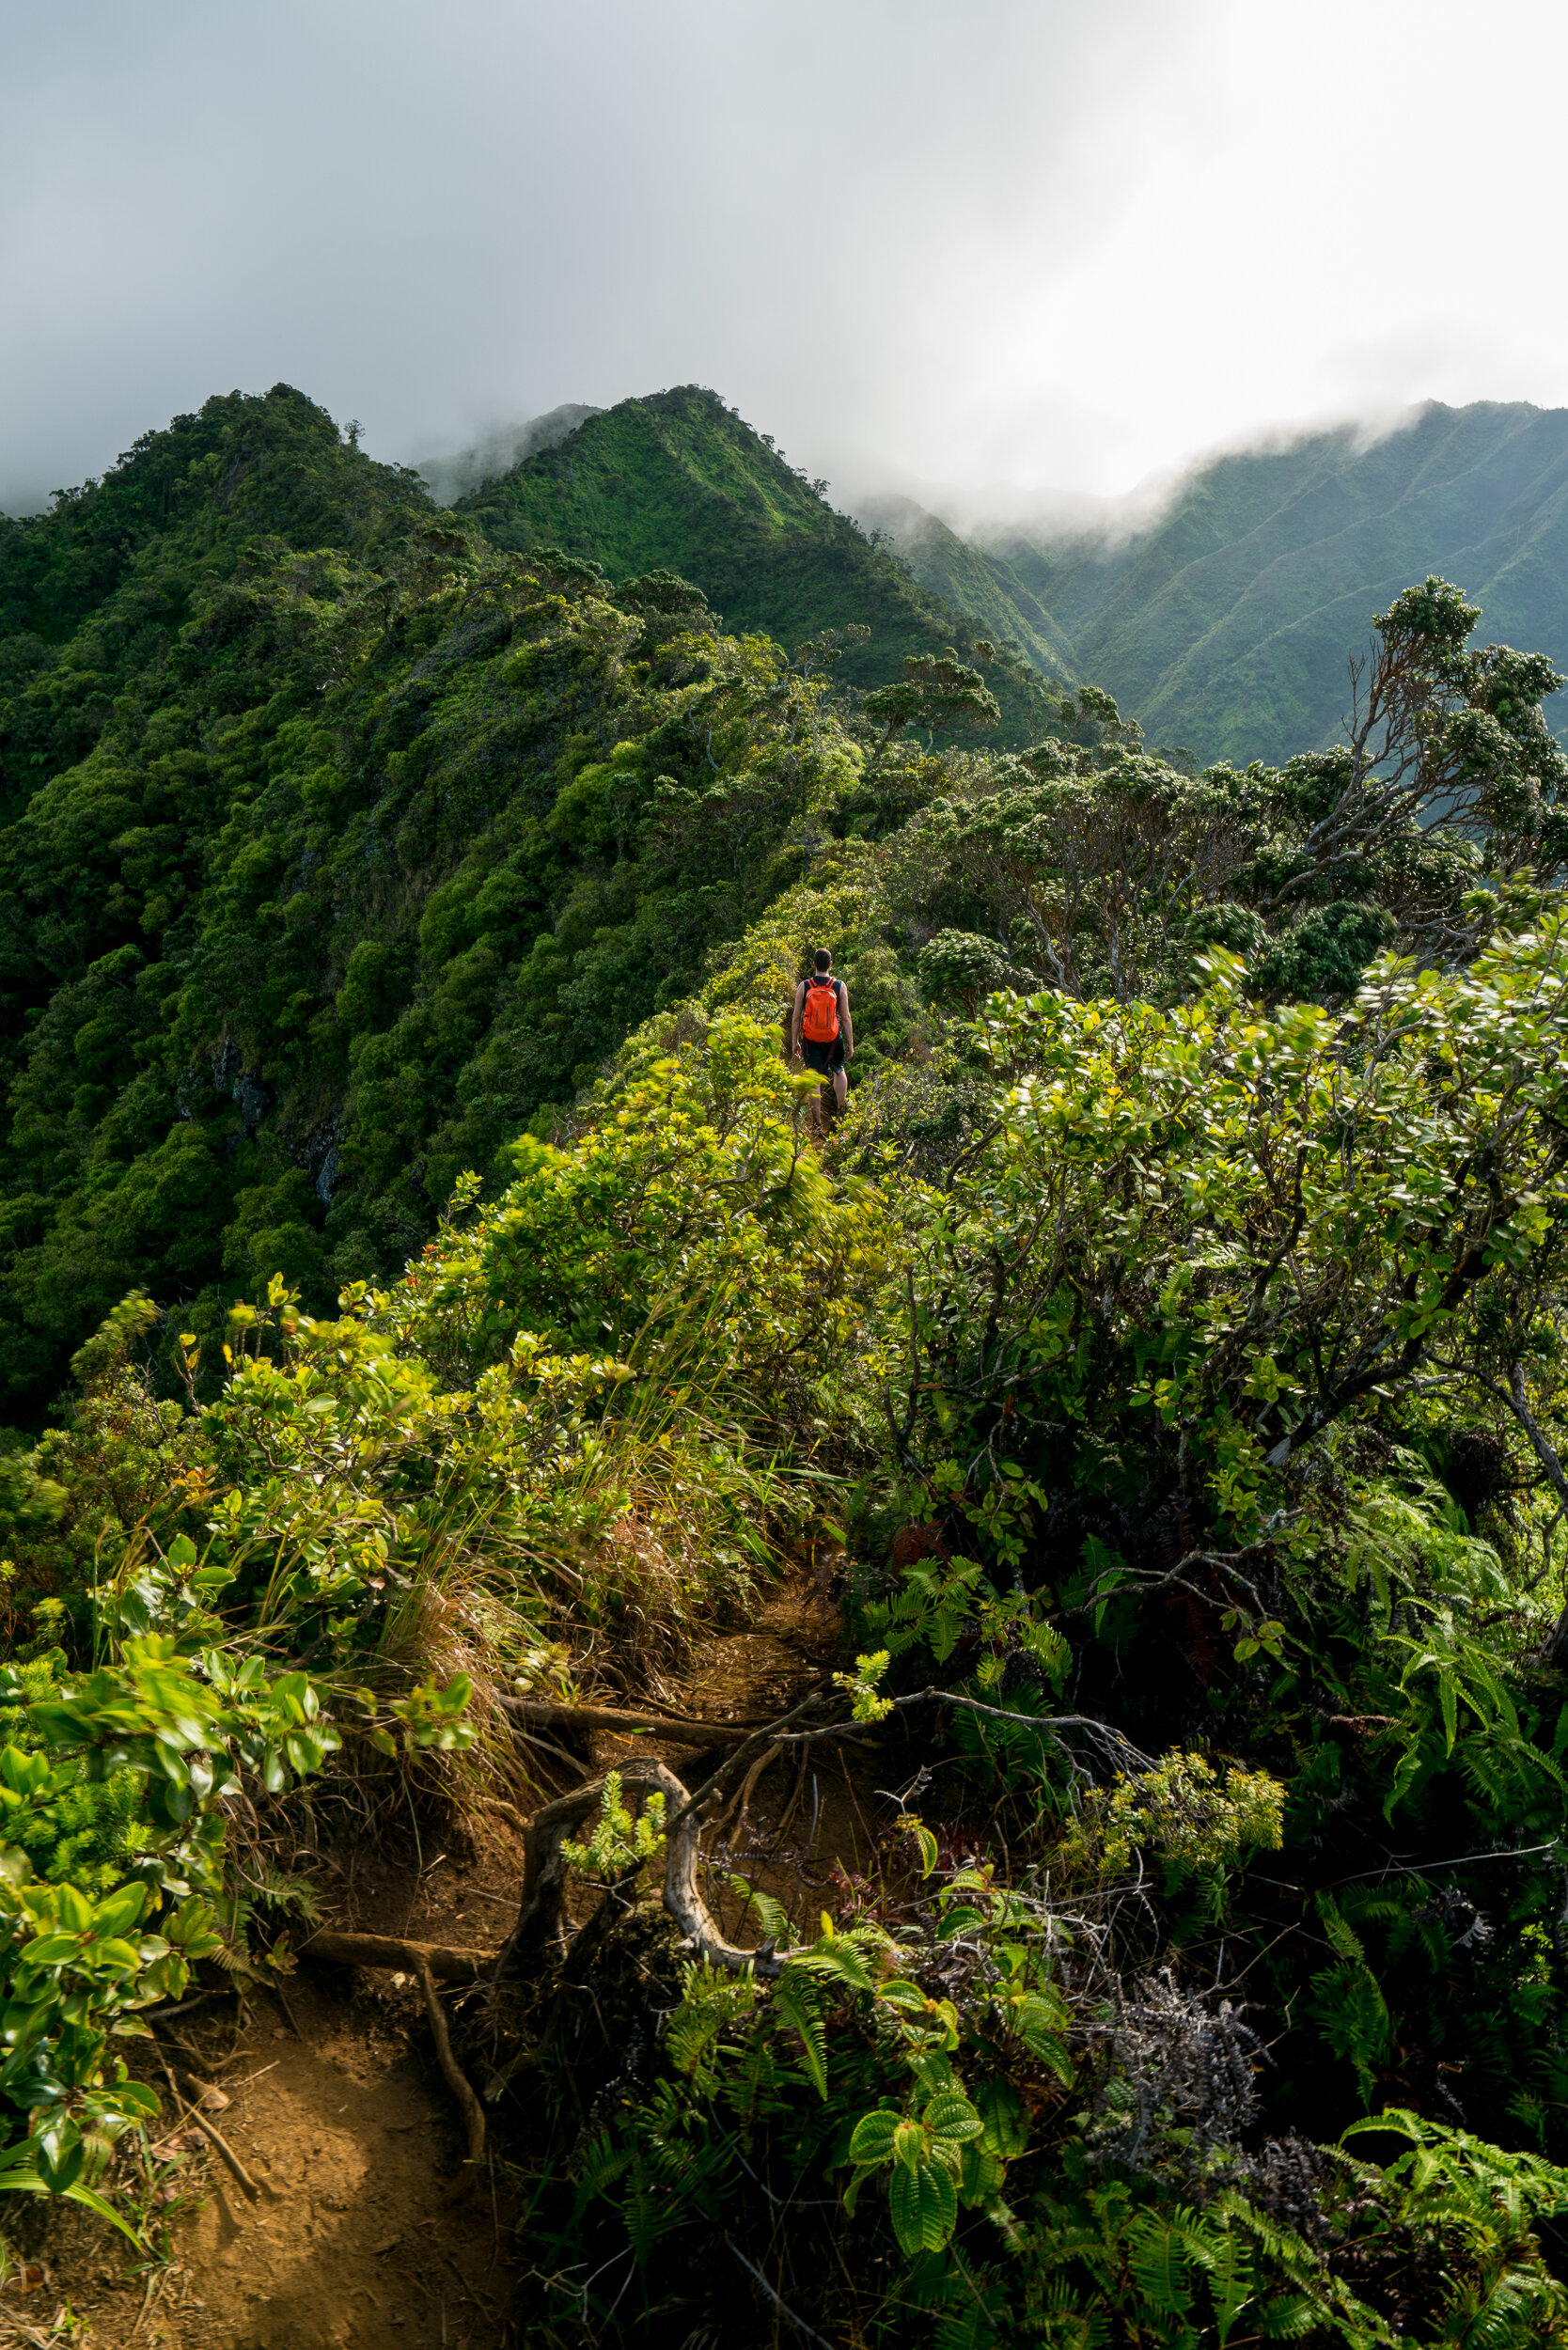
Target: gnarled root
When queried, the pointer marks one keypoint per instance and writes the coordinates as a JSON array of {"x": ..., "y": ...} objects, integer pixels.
[
  {"x": 387, "y": 1950},
  {"x": 539, "y": 1930},
  {"x": 681, "y": 1730},
  {"x": 456, "y": 2079}
]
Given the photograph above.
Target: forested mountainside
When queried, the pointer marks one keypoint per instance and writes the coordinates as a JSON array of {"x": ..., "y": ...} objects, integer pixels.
[
  {"x": 681, "y": 480},
  {"x": 978, "y": 579},
  {"x": 1224, "y": 625},
  {"x": 437, "y": 1314},
  {"x": 318, "y": 888}
]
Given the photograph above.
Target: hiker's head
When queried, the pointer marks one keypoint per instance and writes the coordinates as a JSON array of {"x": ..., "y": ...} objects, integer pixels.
[{"x": 823, "y": 960}]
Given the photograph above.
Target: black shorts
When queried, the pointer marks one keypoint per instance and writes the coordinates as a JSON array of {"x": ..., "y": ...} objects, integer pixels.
[{"x": 824, "y": 1058}]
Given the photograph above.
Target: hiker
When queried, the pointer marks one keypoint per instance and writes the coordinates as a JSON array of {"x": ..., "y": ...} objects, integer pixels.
[{"x": 821, "y": 1026}]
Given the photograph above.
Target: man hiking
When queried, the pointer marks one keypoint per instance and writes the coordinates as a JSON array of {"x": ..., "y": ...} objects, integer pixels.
[{"x": 821, "y": 1026}]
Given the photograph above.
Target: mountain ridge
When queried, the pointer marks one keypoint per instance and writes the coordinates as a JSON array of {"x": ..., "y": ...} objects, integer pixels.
[
  {"x": 716, "y": 502},
  {"x": 1223, "y": 623}
]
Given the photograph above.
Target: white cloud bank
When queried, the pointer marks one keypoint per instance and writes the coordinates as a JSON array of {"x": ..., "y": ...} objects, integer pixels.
[{"x": 990, "y": 253}]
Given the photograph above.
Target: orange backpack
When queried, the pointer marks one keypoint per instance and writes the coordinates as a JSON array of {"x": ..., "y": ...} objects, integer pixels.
[{"x": 819, "y": 1020}]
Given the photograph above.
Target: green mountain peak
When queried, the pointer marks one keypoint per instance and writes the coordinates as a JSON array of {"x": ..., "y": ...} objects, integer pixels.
[{"x": 678, "y": 480}]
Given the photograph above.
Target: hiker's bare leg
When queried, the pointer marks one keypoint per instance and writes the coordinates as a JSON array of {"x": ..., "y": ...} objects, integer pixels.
[{"x": 840, "y": 1088}]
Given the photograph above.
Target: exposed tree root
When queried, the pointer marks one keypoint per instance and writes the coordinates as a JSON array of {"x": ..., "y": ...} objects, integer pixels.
[
  {"x": 681, "y": 1730},
  {"x": 213, "y": 2134},
  {"x": 740, "y": 1804},
  {"x": 540, "y": 1937},
  {"x": 385, "y": 1950},
  {"x": 456, "y": 2079}
]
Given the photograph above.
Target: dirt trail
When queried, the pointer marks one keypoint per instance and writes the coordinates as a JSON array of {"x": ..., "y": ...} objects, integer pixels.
[
  {"x": 804, "y": 1813},
  {"x": 348, "y": 2128},
  {"x": 350, "y": 2137}
]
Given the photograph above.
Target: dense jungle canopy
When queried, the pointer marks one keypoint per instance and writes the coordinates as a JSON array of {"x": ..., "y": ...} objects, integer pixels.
[{"x": 433, "y": 1309}]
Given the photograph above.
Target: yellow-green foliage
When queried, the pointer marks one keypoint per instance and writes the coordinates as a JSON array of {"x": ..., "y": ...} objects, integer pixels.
[
  {"x": 1186, "y": 1812},
  {"x": 839, "y": 905},
  {"x": 691, "y": 1236},
  {"x": 556, "y": 1438},
  {"x": 74, "y": 1829},
  {"x": 620, "y": 1838}
]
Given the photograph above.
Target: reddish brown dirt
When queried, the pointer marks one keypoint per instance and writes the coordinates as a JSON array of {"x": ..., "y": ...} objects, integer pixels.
[
  {"x": 350, "y": 2138},
  {"x": 348, "y": 2127}
]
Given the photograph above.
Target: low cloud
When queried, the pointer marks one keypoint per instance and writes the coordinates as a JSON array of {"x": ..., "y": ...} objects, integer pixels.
[{"x": 1031, "y": 254}]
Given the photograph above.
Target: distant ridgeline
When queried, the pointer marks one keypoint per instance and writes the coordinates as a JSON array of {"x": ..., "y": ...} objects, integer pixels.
[{"x": 1225, "y": 624}]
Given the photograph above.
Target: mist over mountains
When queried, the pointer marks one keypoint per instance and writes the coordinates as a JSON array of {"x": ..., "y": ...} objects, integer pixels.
[
  {"x": 1225, "y": 623},
  {"x": 498, "y": 450}
]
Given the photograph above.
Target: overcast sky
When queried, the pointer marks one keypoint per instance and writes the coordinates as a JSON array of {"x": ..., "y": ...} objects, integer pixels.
[{"x": 995, "y": 248}]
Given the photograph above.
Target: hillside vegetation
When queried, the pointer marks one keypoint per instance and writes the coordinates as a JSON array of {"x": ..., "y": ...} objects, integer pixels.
[
  {"x": 342, "y": 847},
  {"x": 1225, "y": 623},
  {"x": 436, "y": 1309},
  {"x": 681, "y": 480}
]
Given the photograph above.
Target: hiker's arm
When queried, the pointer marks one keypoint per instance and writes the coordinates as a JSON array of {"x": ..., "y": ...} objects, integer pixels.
[
  {"x": 794, "y": 1021},
  {"x": 849, "y": 1025}
]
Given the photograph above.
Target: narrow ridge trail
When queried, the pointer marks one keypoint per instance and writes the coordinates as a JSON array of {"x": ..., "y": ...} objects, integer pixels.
[{"x": 344, "y": 2124}]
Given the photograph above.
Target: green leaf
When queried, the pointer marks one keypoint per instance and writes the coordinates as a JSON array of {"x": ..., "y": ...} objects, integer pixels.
[
  {"x": 1156, "y": 2257},
  {"x": 28, "y": 2182},
  {"x": 1003, "y": 2118},
  {"x": 1038, "y": 2023},
  {"x": 872, "y": 2140},
  {"x": 772, "y": 1915},
  {"x": 74, "y": 1911},
  {"x": 1448, "y": 1697},
  {"x": 52, "y": 1949},
  {"x": 907, "y": 1997},
  {"x": 797, "y": 2003},
  {"x": 123, "y": 1908},
  {"x": 924, "y": 2207},
  {"x": 1341, "y": 1937},
  {"x": 949, "y": 2115},
  {"x": 839, "y": 1960}
]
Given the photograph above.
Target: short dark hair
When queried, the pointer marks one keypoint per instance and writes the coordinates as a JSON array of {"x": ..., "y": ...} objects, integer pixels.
[{"x": 824, "y": 961}]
